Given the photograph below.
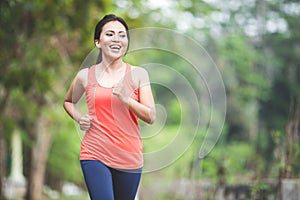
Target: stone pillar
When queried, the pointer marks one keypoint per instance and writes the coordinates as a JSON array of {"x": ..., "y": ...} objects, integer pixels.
[
  {"x": 290, "y": 189},
  {"x": 15, "y": 187}
]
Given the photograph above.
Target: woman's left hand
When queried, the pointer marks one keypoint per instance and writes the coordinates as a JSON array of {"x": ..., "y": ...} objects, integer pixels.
[{"x": 122, "y": 92}]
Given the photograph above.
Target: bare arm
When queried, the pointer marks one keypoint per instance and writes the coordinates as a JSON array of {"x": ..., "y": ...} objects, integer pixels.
[
  {"x": 73, "y": 95},
  {"x": 145, "y": 108}
]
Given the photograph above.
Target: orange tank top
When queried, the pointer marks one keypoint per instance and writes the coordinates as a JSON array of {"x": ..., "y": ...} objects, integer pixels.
[{"x": 114, "y": 136}]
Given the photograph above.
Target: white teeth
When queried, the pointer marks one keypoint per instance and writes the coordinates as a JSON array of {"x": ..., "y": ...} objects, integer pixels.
[{"x": 115, "y": 47}]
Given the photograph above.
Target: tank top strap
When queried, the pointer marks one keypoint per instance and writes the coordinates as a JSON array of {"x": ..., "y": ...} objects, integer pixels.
[
  {"x": 92, "y": 80},
  {"x": 128, "y": 67},
  {"x": 92, "y": 75}
]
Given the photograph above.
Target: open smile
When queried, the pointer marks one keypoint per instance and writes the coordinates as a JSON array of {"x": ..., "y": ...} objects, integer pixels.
[{"x": 115, "y": 47}]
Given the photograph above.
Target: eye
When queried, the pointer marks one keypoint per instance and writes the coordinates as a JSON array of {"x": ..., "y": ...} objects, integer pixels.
[
  {"x": 109, "y": 34},
  {"x": 122, "y": 36}
]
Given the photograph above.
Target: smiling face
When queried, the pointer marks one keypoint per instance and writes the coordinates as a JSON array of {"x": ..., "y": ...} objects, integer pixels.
[{"x": 113, "y": 40}]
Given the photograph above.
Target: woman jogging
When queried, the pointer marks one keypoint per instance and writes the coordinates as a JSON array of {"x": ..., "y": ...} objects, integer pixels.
[{"x": 117, "y": 94}]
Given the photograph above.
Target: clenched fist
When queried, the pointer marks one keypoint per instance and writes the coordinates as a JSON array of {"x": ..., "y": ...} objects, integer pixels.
[
  {"x": 123, "y": 92},
  {"x": 84, "y": 122}
]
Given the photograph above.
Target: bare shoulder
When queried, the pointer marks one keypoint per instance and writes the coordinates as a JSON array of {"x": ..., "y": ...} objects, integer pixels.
[
  {"x": 82, "y": 77},
  {"x": 139, "y": 71},
  {"x": 83, "y": 73},
  {"x": 140, "y": 75}
]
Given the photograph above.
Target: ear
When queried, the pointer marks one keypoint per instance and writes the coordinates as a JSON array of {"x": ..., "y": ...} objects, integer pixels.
[{"x": 97, "y": 43}]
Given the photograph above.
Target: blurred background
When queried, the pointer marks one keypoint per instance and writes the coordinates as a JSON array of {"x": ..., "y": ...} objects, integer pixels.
[{"x": 254, "y": 43}]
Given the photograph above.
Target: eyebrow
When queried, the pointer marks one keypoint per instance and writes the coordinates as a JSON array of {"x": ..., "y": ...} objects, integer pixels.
[{"x": 114, "y": 31}]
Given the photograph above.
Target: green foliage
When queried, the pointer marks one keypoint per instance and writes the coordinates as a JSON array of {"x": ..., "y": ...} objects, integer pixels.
[
  {"x": 197, "y": 8},
  {"x": 245, "y": 84},
  {"x": 261, "y": 76},
  {"x": 234, "y": 158},
  {"x": 175, "y": 111},
  {"x": 259, "y": 190},
  {"x": 63, "y": 162},
  {"x": 264, "y": 148}
]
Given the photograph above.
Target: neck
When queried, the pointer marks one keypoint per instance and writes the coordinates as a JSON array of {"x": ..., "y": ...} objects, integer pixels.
[{"x": 111, "y": 66}]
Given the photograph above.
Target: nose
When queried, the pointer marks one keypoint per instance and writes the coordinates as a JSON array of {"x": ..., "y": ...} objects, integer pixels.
[{"x": 116, "y": 38}]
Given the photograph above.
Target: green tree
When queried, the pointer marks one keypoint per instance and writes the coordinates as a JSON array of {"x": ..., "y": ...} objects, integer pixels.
[
  {"x": 30, "y": 64},
  {"x": 42, "y": 46},
  {"x": 282, "y": 110}
]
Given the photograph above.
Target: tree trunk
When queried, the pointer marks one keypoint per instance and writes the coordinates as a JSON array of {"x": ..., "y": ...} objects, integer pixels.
[
  {"x": 3, "y": 102},
  {"x": 292, "y": 137},
  {"x": 2, "y": 162},
  {"x": 39, "y": 154}
]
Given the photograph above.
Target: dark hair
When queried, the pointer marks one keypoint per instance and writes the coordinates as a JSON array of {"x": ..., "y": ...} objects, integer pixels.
[{"x": 99, "y": 27}]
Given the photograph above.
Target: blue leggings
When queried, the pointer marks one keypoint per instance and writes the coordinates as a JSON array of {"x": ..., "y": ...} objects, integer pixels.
[{"x": 105, "y": 183}]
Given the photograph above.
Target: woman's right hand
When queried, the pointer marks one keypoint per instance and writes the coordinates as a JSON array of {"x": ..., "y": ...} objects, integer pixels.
[{"x": 84, "y": 122}]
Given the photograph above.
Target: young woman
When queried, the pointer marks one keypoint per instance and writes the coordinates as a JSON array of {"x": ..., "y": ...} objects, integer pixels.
[{"x": 117, "y": 94}]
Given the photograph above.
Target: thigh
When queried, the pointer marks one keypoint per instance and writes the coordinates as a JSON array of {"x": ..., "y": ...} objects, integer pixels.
[
  {"x": 125, "y": 184},
  {"x": 98, "y": 179}
]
